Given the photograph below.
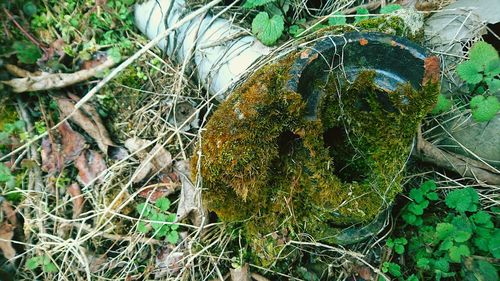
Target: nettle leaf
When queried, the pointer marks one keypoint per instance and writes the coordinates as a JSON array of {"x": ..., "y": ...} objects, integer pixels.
[
  {"x": 484, "y": 109},
  {"x": 390, "y": 8},
  {"x": 337, "y": 19},
  {"x": 470, "y": 72},
  {"x": 443, "y": 104},
  {"x": 250, "y": 4},
  {"x": 268, "y": 30},
  {"x": 463, "y": 200},
  {"x": 483, "y": 52},
  {"x": 457, "y": 252},
  {"x": 361, "y": 14},
  {"x": 163, "y": 203}
]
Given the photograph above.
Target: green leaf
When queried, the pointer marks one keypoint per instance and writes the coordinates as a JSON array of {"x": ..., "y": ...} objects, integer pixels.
[
  {"x": 428, "y": 186},
  {"x": 457, "y": 252},
  {"x": 361, "y": 14},
  {"x": 417, "y": 195},
  {"x": 115, "y": 54},
  {"x": 174, "y": 226},
  {"x": 433, "y": 196},
  {"x": 32, "y": 263},
  {"x": 5, "y": 174},
  {"x": 250, "y": 4},
  {"x": 268, "y": 30},
  {"x": 392, "y": 268},
  {"x": 27, "y": 52},
  {"x": 29, "y": 9},
  {"x": 463, "y": 229},
  {"x": 50, "y": 268},
  {"x": 295, "y": 30},
  {"x": 418, "y": 209},
  {"x": 163, "y": 203},
  {"x": 390, "y": 243},
  {"x": 390, "y": 8},
  {"x": 470, "y": 72},
  {"x": 142, "y": 228},
  {"x": 172, "y": 237},
  {"x": 444, "y": 230},
  {"x": 400, "y": 249},
  {"x": 409, "y": 218},
  {"x": 442, "y": 265},
  {"x": 482, "y": 218},
  {"x": 483, "y": 52},
  {"x": 494, "y": 244},
  {"x": 412, "y": 278},
  {"x": 337, "y": 19},
  {"x": 443, "y": 104},
  {"x": 484, "y": 109},
  {"x": 481, "y": 243},
  {"x": 163, "y": 231},
  {"x": 144, "y": 209},
  {"x": 446, "y": 245},
  {"x": 423, "y": 263},
  {"x": 492, "y": 68},
  {"x": 494, "y": 85},
  {"x": 484, "y": 270},
  {"x": 171, "y": 217},
  {"x": 463, "y": 200}
]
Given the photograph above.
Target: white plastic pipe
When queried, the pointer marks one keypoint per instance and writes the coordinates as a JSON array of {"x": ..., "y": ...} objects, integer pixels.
[{"x": 218, "y": 51}]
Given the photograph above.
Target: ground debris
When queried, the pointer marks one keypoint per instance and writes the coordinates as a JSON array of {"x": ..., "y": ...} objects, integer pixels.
[
  {"x": 47, "y": 81},
  {"x": 90, "y": 165},
  {"x": 157, "y": 161},
  {"x": 87, "y": 118}
]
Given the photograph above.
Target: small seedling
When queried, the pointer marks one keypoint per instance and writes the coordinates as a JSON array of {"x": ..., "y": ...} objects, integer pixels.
[
  {"x": 41, "y": 261},
  {"x": 159, "y": 220}
]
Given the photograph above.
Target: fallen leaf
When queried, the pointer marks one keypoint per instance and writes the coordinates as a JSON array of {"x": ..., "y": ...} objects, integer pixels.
[
  {"x": 168, "y": 261},
  {"x": 158, "y": 191},
  {"x": 88, "y": 119},
  {"x": 9, "y": 212},
  {"x": 190, "y": 198},
  {"x": 52, "y": 161},
  {"x": 156, "y": 161},
  {"x": 72, "y": 142},
  {"x": 47, "y": 81},
  {"x": 6, "y": 234},
  {"x": 98, "y": 59},
  {"x": 432, "y": 70},
  {"x": 241, "y": 273},
  {"x": 78, "y": 200},
  {"x": 67, "y": 145},
  {"x": 90, "y": 164},
  {"x": 55, "y": 48}
]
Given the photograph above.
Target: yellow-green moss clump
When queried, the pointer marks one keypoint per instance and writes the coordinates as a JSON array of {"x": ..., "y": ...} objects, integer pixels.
[{"x": 267, "y": 163}]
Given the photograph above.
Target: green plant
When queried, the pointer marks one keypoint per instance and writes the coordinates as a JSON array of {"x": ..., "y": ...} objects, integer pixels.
[
  {"x": 267, "y": 29},
  {"x": 158, "y": 219},
  {"x": 482, "y": 72},
  {"x": 44, "y": 261},
  {"x": 460, "y": 243}
]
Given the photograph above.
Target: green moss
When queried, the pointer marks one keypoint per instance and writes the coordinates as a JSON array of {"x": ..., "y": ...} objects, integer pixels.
[{"x": 266, "y": 164}]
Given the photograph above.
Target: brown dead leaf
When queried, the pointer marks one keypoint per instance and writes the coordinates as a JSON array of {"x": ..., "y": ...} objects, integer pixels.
[
  {"x": 158, "y": 191},
  {"x": 89, "y": 164},
  {"x": 72, "y": 142},
  {"x": 156, "y": 161},
  {"x": 168, "y": 261},
  {"x": 364, "y": 272},
  {"x": 6, "y": 234},
  {"x": 190, "y": 198},
  {"x": 88, "y": 119},
  {"x": 241, "y": 273},
  {"x": 67, "y": 146},
  {"x": 9, "y": 212},
  {"x": 78, "y": 200},
  {"x": 47, "y": 81},
  {"x": 55, "y": 48}
]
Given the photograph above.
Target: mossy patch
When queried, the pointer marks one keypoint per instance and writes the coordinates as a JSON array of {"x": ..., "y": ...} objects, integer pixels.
[{"x": 267, "y": 163}]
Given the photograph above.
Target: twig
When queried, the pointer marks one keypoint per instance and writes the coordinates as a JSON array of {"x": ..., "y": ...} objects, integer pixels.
[{"x": 465, "y": 166}]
